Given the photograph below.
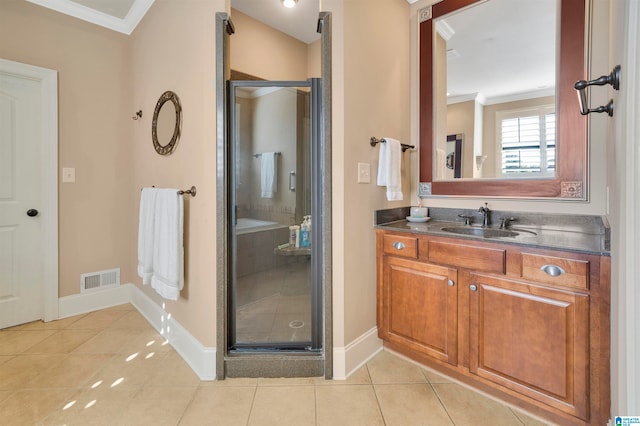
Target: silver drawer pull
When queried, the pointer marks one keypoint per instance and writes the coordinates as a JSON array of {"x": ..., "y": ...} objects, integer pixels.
[
  {"x": 398, "y": 245},
  {"x": 552, "y": 270},
  {"x": 450, "y": 283},
  {"x": 473, "y": 287}
]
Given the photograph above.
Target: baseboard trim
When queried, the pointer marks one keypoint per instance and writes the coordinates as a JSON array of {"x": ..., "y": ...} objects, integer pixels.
[
  {"x": 201, "y": 359},
  {"x": 348, "y": 359},
  {"x": 90, "y": 301}
]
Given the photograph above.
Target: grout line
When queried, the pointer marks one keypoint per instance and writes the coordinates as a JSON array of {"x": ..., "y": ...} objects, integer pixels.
[{"x": 441, "y": 402}]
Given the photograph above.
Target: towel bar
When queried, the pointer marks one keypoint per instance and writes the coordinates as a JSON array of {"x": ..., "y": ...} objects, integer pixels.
[
  {"x": 191, "y": 191},
  {"x": 260, "y": 154},
  {"x": 374, "y": 141}
]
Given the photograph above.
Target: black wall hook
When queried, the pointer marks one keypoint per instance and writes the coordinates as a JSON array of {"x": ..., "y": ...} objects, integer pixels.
[{"x": 613, "y": 79}]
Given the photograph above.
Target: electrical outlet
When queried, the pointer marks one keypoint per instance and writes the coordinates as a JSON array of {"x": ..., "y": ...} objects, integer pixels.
[{"x": 364, "y": 173}]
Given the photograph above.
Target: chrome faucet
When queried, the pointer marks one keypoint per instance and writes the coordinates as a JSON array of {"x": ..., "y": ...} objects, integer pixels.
[
  {"x": 505, "y": 221},
  {"x": 486, "y": 219}
]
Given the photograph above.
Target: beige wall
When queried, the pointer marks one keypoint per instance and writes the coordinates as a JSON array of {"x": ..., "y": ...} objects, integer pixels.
[
  {"x": 370, "y": 98},
  {"x": 261, "y": 51},
  {"x": 167, "y": 56},
  {"x": 460, "y": 120},
  {"x": 95, "y": 213}
]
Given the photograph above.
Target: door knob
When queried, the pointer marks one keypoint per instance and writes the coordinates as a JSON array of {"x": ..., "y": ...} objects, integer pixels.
[{"x": 32, "y": 212}]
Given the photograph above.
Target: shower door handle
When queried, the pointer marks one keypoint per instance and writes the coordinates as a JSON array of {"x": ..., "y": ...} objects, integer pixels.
[{"x": 292, "y": 181}]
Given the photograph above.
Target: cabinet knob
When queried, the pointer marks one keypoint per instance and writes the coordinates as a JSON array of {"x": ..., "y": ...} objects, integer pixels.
[
  {"x": 398, "y": 245},
  {"x": 552, "y": 270},
  {"x": 450, "y": 283},
  {"x": 473, "y": 287}
]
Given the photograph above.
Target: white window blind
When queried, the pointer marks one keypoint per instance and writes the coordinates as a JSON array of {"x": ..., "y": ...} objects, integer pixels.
[{"x": 527, "y": 141}]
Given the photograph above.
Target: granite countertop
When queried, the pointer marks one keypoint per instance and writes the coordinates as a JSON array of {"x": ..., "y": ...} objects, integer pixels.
[{"x": 577, "y": 233}]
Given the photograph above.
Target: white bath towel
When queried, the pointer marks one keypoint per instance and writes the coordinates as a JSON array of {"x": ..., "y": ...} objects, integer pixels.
[
  {"x": 390, "y": 168},
  {"x": 168, "y": 251},
  {"x": 145, "y": 233},
  {"x": 268, "y": 174}
]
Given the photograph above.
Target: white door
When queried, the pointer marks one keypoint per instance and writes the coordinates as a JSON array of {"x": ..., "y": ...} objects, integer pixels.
[{"x": 25, "y": 208}]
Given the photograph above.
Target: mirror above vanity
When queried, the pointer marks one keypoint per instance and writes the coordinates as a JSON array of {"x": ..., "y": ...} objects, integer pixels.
[{"x": 513, "y": 104}]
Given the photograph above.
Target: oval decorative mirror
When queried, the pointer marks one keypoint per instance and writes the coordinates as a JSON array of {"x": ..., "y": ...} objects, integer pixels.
[
  {"x": 166, "y": 124},
  {"x": 499, "y": 157}
]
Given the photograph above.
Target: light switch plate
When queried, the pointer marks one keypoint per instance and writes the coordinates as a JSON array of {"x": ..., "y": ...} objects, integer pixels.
[
  {"x": 68, "y": 175},
  {"x": 364, "y": 173}
]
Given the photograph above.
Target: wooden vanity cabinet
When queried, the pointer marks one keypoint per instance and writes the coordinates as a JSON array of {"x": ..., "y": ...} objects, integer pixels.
[
  {"x": 531, "y": 339},
  {"x": 488, "y": 315}
]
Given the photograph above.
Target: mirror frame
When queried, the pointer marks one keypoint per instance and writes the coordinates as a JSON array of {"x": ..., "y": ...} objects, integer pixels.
[
  {"x": 171, "y": 145},
  {"x": 570, "y": 181}
]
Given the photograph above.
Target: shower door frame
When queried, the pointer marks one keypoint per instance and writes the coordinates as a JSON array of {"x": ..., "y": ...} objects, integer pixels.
[
  {"x": 315, "y": 117},
  {"x": 269, "y": 365}
]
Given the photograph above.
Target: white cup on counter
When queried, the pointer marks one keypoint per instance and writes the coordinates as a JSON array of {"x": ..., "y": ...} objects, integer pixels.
[{"x": 419, "y": 211}]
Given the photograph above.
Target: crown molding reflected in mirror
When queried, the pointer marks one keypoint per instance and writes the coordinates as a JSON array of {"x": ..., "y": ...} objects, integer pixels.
[{"x": 570, "y": 179}]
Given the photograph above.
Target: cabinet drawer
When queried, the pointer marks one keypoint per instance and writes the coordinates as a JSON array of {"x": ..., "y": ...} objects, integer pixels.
[
  {"x": 467, "y": 256},
  {"x": 399, "y": 245},
  {"x": 572, "y": 273}
]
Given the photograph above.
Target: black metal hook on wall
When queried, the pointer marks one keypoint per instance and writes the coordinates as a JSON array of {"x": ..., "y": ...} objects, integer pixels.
[{"x": 613, "y": 79}]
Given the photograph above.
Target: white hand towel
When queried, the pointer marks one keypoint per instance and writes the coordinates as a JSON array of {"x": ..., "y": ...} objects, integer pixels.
[
  {"x": 168, "y": 251},
  {"x": 145, "y": 233},
  {"x": 390, "y": 168},
  {"x": 268, "y": 174}
]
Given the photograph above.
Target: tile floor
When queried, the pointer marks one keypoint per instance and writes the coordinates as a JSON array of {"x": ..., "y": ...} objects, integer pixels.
[{"x": 111, "y": 367}]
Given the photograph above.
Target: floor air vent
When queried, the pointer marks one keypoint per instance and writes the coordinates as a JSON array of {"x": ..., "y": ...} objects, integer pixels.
[{"x": 100, "y": 279}]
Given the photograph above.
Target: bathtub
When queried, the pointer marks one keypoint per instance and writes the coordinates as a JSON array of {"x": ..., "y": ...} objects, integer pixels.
[{"x": 246, "y": 225}]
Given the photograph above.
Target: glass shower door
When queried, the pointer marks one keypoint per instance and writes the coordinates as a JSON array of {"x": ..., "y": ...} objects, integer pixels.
[{"x": 274, "y": 298}]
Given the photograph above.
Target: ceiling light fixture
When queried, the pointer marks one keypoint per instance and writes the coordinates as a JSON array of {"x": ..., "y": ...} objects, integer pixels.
[{"x": 289, "y": 3}]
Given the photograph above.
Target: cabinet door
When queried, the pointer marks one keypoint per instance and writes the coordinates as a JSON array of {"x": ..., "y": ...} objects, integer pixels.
[
  {"x": 420, "y": 307},
  {"x": 531, "y": 339}
]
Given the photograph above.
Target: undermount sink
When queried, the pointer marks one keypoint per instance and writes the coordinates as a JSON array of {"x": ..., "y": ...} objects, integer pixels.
[{"x": 480, "y": 232}]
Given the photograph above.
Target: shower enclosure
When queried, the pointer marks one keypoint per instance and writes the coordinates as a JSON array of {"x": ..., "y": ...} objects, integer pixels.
[{"x": 274, "y": 292}]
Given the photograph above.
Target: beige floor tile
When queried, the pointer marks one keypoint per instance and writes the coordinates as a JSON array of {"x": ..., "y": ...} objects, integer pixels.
[
  {"x": 219, "y": 406},
  {"x": 100, "y": 406},
  {"x": 411, "y": 404},
  {"x": 98, "y": 320},
  {"x": 51, "y": 325},
  {"x": 359, "y": 377},
  {"x": 62, "y": 342},
  {"x": 173, "y": 371},
  {"x": 387, "y": 368},
  {"x": 469, "y": 408},
  {"x": 20, "y": 370},
  {"x": 157, "y": 406},
  {"x": 73, "y": 371},
  {"x": 530, "y": 421},
  {"x": 347, "y": 405},
  {"x": 283, "y": 405},
  {"x": 434, "y": 377},
  {"x": 128, "y": 371},
  {"x": 111, "y": 342},
  {"x": 30, "y": 406},
  {"x": 131, "y": 320},
  {"x": 231, "y": 382},
  {"x": 4, "y": 394},
  {"x": 16, "y": 342},
  {"x": 293, "y": 381}
]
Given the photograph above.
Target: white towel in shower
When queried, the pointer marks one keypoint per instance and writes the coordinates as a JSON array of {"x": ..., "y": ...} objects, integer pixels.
[
  {"x": 145, "y": 233},
  {"x": 390, "y": 168},
  {"x": 268, "y": 174},
  {"x": 168, "y": 251}
]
